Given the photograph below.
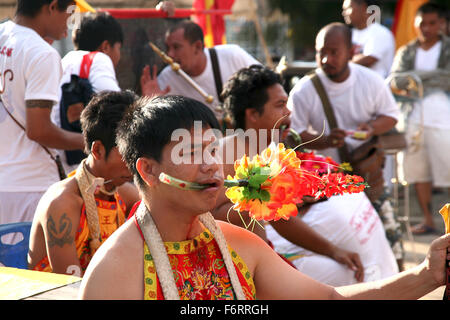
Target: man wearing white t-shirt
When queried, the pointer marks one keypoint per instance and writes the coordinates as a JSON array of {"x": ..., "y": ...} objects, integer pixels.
[
  {"x": 374, "y": 47},
  {"x": 374, "y": 44},
  {"x": 98, "y": 33},
  {"x": 360, "y": 100},
  {"x": 351, "y": 223},
  {"x": 257, "y": 102},
  {"x": 428, "y": 127},
  {"x": 185, "y": 46},
  {"x": 30, "y": 72},
  {"x": 102, "y": 34}
]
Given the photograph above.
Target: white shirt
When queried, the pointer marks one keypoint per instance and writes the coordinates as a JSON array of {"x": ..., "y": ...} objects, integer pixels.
[
  {"x": 231, "y": 59},
  {"x": 436, "y": 105},
  {"x": 377, "y": 41},
  {"x": 36, "y": 66},
  {"x": 102, "y": 75},
  {"x": 428, "y": 60},
  {"x": 351, "y": 223},
  {"x": 362, "y": 97}
]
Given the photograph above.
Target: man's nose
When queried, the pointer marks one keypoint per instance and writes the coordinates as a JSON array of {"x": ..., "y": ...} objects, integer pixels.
[
  {"x": 287, "y": 112},
  {"x": 211, "y": 163},
  {"x": 425, "y": 28}
]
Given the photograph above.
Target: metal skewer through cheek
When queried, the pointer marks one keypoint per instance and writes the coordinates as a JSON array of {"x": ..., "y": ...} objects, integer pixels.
[
  {"x": 186, "y": 185},
  {"x": 176, "y": 67}
]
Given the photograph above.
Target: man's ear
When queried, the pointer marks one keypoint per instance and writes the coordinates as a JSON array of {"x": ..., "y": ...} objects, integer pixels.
[
  {"x": 98, "y": 150},
  {"x": 251, "y": 115},
  {"x": 352, "y": 51},
  {"x": 53, "y": 6},
  {"x": 104, "y": 47},
  {"x": 148, "y": 170},
  {"x": 198, "y": 46}
]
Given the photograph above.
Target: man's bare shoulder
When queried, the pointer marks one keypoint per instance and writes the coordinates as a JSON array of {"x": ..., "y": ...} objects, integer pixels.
[
  {"x": 129, "y": 194},
  {"x": 63, "y": 195},
  {"x": 116, "y": 270},
  {"x": 247, "y": 244}
]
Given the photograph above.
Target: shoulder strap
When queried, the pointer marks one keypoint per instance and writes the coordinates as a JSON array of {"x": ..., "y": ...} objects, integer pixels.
[
  {"x": 62, "y": 174},
  {"x": 86, "y": 63},
  {"x": 329, "y": 112},
  {"x": 57, "y": 159},
  {"x": 23, "y": 128},
  {"x": 216, "y": 71}
]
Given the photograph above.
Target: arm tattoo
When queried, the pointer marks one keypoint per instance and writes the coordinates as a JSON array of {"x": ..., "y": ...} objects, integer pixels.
[
  {"x": 59, "y": 234},
  {"x": 43, "y": 104}
]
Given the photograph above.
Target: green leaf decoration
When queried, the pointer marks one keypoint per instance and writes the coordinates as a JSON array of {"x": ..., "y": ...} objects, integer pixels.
[
  {"x": 258, "y": 175},
  {"x": 265, "y": 195}
]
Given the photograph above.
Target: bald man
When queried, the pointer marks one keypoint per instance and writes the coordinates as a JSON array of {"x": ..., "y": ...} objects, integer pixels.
[{"x": 360, "y": 101}]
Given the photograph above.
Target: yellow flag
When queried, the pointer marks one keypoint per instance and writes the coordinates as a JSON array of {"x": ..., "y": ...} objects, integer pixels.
[
  {"x": 403, "y": 27},
  {"x": 446, "y": 217},
  {"x": 84, "y": 6}
]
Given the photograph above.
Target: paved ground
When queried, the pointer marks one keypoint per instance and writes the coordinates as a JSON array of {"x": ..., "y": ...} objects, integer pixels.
[{"x": 417, "y": 246}]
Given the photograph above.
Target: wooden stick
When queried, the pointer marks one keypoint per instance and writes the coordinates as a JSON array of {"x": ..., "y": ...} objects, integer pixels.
[
  {"x": 261, "y": 38},
  {"x": 176, "y": 67}
]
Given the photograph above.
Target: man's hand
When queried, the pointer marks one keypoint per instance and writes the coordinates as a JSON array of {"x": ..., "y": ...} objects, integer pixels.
[
  {"x": 351, "y": 260},
  {"x": 368, "y": 129},
  {"x": 435, "y": 261},
  {"x": 336, "y": 138},
  {"x": 149, "y": 83},
  {"x": 167, "y": 6}
]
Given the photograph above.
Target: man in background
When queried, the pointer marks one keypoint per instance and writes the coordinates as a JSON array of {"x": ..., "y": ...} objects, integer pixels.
[
  {"x": 373, "y": 43},
  {"x": 428, "y": 125},
  {"x": 185, "y": 45},
  {"x": 30, "y": 72}
]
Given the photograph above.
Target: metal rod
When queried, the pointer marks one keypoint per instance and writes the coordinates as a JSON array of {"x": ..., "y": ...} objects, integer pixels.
[{"x": 176, "y": 68}]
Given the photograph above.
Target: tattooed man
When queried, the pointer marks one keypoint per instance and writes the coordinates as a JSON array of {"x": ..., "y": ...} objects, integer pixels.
[{"x": 77, "y": 214}]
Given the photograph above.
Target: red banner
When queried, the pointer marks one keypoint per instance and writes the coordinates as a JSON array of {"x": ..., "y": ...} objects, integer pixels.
[
  {"x": 213, "y": 25},
  {"x": 134, "y": 13},
  {"x": 403, "y": 26}
]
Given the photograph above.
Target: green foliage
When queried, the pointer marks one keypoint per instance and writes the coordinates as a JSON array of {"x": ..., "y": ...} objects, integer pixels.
[{"x": 256, "y": 177}]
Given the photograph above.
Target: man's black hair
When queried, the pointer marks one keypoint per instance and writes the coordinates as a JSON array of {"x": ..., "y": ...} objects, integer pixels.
[
  {"x": 431, "y": 7},
  {"x": 100, "y": 118},
  {"x": 247, "y": 88},
  {"x": 95, "y": 28},
  {"x": 30, "y": 8},
  {"x": 148, "y": 127},
  {"x": 192, "y": 31}
]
